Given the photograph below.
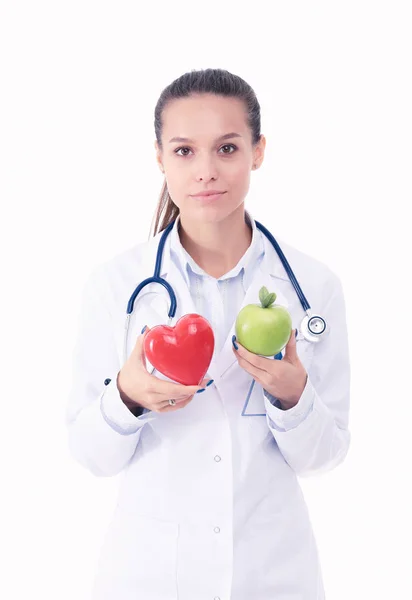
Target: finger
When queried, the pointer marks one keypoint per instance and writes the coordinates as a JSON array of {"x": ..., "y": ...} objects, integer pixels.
[
  {"x": 185, "y": 399},
  {"x": 176, "y": 390},
  {"x": 138, "y": 350},
  {"x": 162, "y": 399},
  {"x": 259, "y": 362},
  {"x": 181, "y": 401},
  {"x": 179, "y": 404},
  {"x": 141, "y": 338},
  {"x": 263, "y": 377}
]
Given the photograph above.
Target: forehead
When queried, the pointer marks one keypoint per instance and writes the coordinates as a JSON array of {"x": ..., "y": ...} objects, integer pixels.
[{"x": 203, "y": 117}]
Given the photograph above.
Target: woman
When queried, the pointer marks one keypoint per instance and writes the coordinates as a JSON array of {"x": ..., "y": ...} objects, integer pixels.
[{"x": 210, "y": 506}]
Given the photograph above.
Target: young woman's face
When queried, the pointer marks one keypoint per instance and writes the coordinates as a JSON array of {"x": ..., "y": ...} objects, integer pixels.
[{"x": 206, "y": 161}]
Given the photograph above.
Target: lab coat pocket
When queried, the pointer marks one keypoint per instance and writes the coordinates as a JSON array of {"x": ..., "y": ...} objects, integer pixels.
[{"x": 138, "y": 558}]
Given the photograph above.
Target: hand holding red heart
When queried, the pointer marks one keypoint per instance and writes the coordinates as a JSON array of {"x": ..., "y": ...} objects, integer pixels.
[
  {"x": 138, "y": 387},
  {"x": 182, "y": 352},
  {"x": 285, "y": 379}
]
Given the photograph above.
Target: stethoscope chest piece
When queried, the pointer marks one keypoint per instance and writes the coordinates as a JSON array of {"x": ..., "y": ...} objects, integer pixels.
[{"x": 313, "y": 328}]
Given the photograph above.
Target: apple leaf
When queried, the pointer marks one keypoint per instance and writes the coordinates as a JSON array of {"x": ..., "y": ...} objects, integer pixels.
[
  {"x": 270, "y": 299},
  {"x": 263, "y": 292},
  {"x": 266, "y": 298}
]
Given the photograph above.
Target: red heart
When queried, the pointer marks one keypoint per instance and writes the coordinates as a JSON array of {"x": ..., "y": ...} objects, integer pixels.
[{"x": 183, "y": 352}]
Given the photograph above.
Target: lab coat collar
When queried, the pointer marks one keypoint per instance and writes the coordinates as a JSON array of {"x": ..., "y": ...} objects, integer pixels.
[{"x": 275, "y": 267}]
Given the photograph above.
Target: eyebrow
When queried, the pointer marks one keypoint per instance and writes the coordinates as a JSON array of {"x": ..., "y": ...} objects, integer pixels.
[{"x": 222, "y": 137}]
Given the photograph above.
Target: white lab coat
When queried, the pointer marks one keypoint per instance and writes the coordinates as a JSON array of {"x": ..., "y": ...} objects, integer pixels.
[{"x": 210, "y": 506}]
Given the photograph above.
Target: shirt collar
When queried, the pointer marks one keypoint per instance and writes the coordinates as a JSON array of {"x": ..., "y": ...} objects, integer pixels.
[{"x": 185, "y": 262}]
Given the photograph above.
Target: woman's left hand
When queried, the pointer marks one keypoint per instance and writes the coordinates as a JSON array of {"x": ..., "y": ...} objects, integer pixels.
[{"x": 285, "y": 379}]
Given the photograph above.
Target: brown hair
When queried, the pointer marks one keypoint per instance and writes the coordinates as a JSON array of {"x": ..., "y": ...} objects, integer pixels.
[{"x": 205, "y": 81}]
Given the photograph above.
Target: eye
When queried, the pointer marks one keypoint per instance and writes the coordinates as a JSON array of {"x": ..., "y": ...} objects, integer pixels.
[
  {"x": 178, "y": 149},
  {"x": 229, "y": 146},
  {"x": 224, "y": 146}
]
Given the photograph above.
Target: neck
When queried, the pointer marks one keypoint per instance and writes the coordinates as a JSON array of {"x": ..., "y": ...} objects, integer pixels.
[{"x": 216, "y": 247}]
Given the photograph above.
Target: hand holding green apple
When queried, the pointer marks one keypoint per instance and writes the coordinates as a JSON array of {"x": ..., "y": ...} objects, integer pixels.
[{"x": 264, "y": 329}]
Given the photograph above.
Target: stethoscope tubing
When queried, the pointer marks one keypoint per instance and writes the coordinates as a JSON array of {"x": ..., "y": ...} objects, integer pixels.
[{"x": 173, "y": 302}]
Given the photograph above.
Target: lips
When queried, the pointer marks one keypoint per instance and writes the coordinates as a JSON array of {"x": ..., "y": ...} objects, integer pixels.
[{"x": 210, "y": 195}]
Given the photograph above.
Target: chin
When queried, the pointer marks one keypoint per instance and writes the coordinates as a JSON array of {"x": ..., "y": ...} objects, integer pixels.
[
  {"x": 209, "y": 212},
  {"x": 215, "y": 214}
]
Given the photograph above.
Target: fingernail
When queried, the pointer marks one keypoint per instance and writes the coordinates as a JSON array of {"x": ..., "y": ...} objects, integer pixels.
[
  {"x": 199, "y": 391},
  {"x": 234, "y": 343},
  {"x": 210, "y": 382},
  {"x": 143, "y": 329}
]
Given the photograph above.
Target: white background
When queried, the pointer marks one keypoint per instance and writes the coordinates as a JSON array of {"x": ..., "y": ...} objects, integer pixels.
[{"x": 79, "y": 184}]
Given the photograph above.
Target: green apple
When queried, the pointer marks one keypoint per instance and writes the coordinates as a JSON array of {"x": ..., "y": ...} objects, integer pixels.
[{"x": 264, "y": 329}]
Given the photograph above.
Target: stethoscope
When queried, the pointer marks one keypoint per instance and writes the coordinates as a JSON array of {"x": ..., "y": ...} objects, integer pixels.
[{"x": 313, "y": 327}]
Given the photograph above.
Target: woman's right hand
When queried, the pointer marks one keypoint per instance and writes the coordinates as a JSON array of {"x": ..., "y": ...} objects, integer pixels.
[{"x": 138, "y": 387}]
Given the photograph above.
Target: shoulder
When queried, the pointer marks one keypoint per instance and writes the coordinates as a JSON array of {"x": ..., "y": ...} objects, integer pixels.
[
  {"x": 125, "y": 267},
  {"x": 308, "y": 261},
  {"x": 310, "y": 271}
]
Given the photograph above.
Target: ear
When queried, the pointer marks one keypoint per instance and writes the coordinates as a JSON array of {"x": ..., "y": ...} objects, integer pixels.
[
  {"x": 259, "y": 151},
  {"x": 158, "y": 156}
]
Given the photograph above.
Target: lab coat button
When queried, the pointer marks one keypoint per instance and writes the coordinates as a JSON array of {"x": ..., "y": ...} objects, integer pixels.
[
  {"x": 217, "y": 458},
  {"x": 217, "y": 529}
]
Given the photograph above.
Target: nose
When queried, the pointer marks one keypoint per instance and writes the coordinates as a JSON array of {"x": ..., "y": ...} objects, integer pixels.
[{"x": 205, "y": 169}]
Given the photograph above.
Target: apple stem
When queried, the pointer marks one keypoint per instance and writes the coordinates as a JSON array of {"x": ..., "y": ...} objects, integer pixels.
[{"x": 266, "y": 298}]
